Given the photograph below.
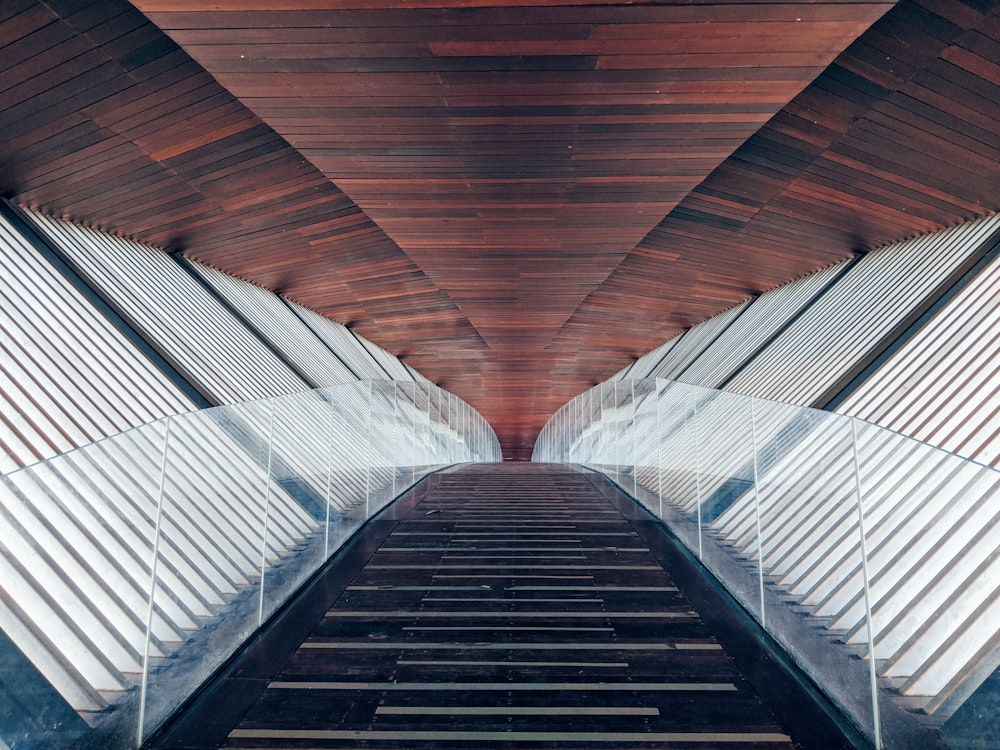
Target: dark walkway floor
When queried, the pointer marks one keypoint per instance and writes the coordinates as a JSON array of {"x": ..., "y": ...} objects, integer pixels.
[{"x": 514, "y": 606}]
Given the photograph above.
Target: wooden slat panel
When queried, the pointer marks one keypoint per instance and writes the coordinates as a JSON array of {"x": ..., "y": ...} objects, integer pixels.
[
  {"x": 516, "y": 154},
  {"x": 516, "y": 197}
]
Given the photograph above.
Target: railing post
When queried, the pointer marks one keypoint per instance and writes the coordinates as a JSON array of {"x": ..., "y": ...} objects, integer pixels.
[
  {"x": 429, "y": 431},
  {"x": 697, "y": 472},
  {"x": 144, "y": 687},
  {"x": 395, "y": 439},
  {"x": 329, "y": 476},
  {"x": 267, "y": 512},
  {"x": 368, "y": 449},
  {"x": 872, "y": 668},
  {"x": 635, "y": 457},
  {"x": 659, "y": 445},
  {"x": 756, "y": 507}
]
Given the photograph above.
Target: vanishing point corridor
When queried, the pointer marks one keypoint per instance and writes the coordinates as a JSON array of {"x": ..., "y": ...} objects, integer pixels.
[{"x": 508, "y": 606}]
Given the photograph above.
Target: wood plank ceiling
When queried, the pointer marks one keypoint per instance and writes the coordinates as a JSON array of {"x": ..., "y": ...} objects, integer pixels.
[{"x": 516, "y": 197}]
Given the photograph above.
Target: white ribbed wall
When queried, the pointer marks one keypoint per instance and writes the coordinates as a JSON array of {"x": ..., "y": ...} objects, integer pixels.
[
  {"x": 67, "y": 375},
  {"x": 756, "y": 326},
  {"x": 943, "y": 386},
  {"x": 824, "y": 343},
  {"x": 796, "y": 342},
  {"x": 693, "y": 343},
  {"x": 278, "y": 324},
  {"x": 341, "y": 340}
]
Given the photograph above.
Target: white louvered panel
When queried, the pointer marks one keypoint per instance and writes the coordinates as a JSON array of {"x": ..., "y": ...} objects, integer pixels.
[
  {"x": 88, "y": 554},
  {"x": 389, "y": 362},
  {"x": 953, "y": 566},
  {"x": 943, "y": 386},
  {"x": 719, "y": 427},
  {"x": 350, "y": 433},
  {"x": 45, "y": 594},
  {"x": 83, "y": 535},
  {"x": 761, "y": 320},
  {"x": 338, "y": 338},
  {"x": 903, "y": 486},
  {"x": 130, "y": 473},
  {"x": 284, "y": 330},
  {"x": 963, "y": 639},
  {"x": 67, "y": 376},
  {"x": 644, "y": 366},
  {"x": 931, "y": 565},
  {"x": 873, "y": 297},
  {"x": 695, "y": 341},
  {"x": 788, "y": 438},
  {"x": 202, "y": 338},
  {"x": 61, "y": 647},
  {"x": 42, "y": 653},
  {"x": 119, "y": 484}
]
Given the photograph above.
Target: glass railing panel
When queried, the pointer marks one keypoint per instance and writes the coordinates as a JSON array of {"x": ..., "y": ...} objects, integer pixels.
[
  {"x": 931, "y": 521},
  {"x": 817, "y": 524},
  {"x": 77, "y": 539},
  {"x": 810, "y": 531},
  {"x": 149, "y": 557},
  {"x": 296, "y": 510},
  {"x": 211, "y": 545},
  {"x": 645, "y": 472}
]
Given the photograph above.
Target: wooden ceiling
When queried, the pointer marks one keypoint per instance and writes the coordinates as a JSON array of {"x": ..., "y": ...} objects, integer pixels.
[{"x": 517, "y": 197}]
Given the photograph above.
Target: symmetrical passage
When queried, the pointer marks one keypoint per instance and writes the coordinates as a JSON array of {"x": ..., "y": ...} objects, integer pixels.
[{"x": 514, "y": 606}]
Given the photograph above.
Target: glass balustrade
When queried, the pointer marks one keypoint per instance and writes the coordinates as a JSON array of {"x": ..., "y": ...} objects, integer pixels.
[
  {"x": 870, "y": 557},
  {"x": 132, "y": 568}
]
